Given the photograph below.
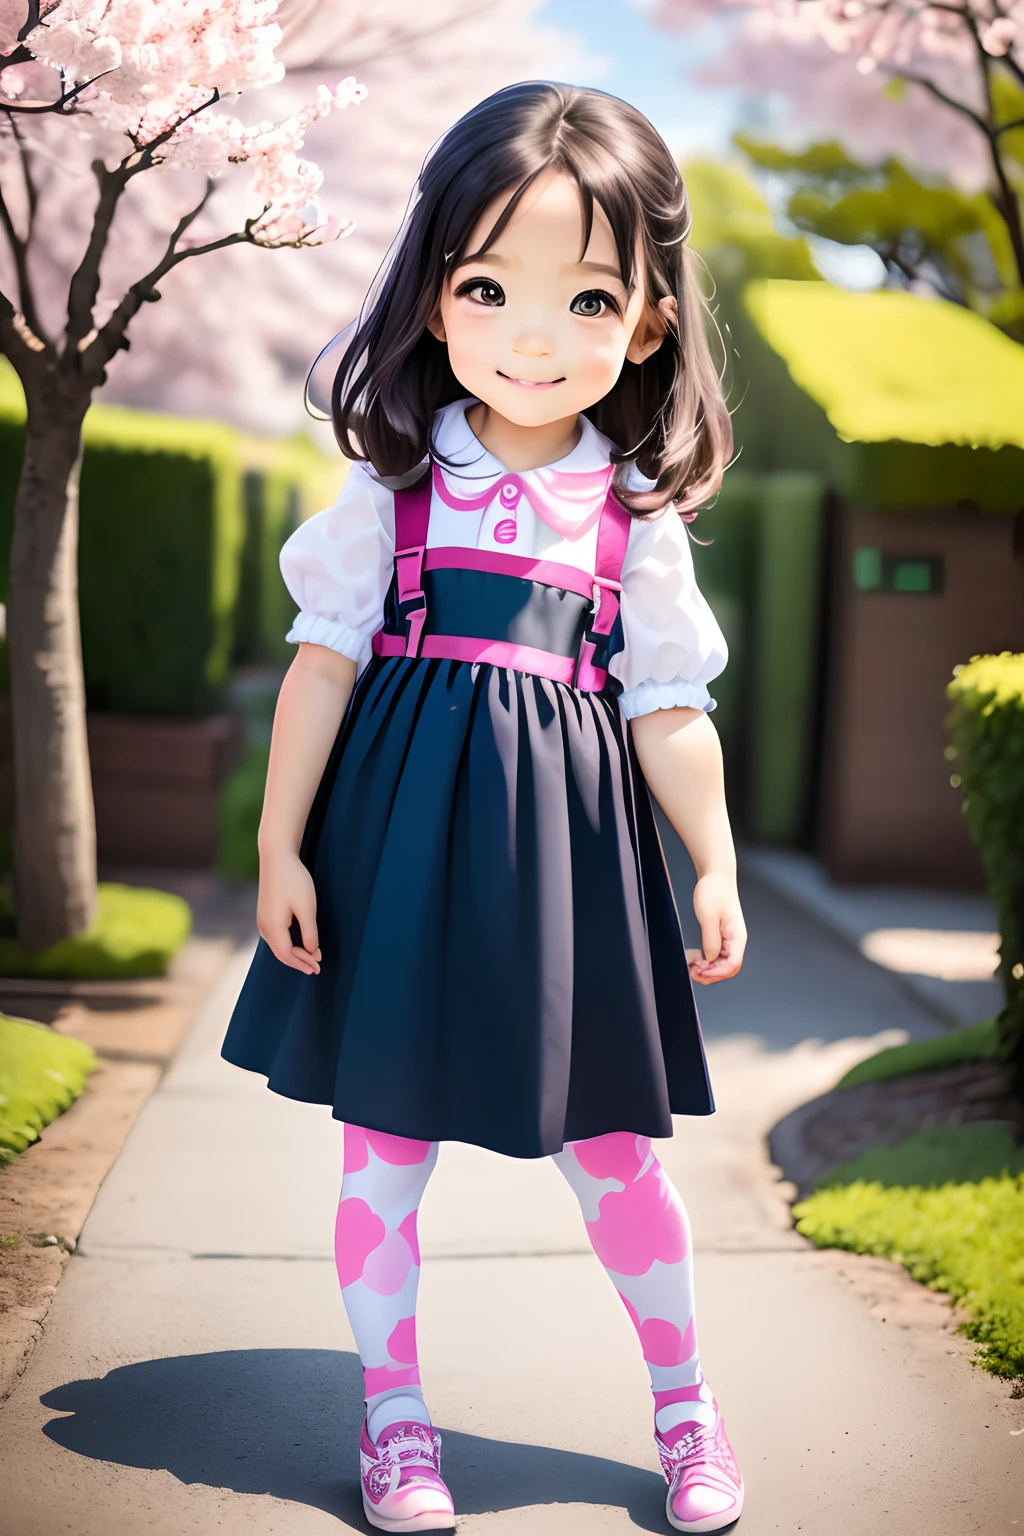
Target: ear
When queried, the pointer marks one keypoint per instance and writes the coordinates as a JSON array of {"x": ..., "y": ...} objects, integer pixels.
[
  {"x": 651, "y": 329},
  {"x": 435, "y": 325}
]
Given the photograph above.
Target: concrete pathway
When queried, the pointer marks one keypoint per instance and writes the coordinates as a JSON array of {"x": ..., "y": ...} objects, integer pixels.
[{"x": 197, "y": 1373}]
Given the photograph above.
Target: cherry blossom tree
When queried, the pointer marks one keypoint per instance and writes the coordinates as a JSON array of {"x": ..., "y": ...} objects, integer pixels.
[
  {"x": 233, "y": 336},
  {"x": 941, "y": 86},
  {"x": 140, "y": 84}
]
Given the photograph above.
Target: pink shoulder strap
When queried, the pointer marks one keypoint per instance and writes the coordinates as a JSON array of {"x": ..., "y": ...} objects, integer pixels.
[
  {"x": 612, "y": 543},
  {"x": 412, "y": 515}
]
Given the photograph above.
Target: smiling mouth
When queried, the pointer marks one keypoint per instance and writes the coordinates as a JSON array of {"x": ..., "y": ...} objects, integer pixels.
[{"x": 531, "y": 383}]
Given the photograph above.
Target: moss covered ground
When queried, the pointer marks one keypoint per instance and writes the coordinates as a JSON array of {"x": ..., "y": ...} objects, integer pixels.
[
  {"x": 41, "y": 1075},
  {"x": 947, "y": 1204},
  {"x": 136, "y": 933}
]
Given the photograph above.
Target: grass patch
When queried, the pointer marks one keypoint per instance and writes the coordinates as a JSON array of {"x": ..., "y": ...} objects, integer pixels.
[
  {"x": 975, "y": 1043},
  {"x": 957, "y": 1228},
  {"x": 136, "y": 932},
  {"x": 241, "y": 806},
  {"x": 946, "y": 1154},
  {"x": 41, "y": 1075}
]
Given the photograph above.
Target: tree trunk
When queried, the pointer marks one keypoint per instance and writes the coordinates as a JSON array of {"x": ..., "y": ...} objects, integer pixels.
[{"x": 54, "y": 821}]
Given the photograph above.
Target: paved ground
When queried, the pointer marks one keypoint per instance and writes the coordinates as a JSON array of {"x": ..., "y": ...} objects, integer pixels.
[{"x": 197, "y": 1373}]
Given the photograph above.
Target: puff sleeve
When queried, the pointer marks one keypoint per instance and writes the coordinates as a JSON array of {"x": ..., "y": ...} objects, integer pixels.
[
  {"x": 673, "y": 647},
  {"x": 337, "y": 566}
]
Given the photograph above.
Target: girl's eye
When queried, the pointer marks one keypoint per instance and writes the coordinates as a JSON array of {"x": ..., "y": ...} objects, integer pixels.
[
  {"x": 592, "y": 304},
  {"x": 483, "y": 290}
]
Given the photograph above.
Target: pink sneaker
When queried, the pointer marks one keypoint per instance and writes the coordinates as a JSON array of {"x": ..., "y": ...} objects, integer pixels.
[
  {"x": 705, "y": 1489},
  {"x": 401, "y": 1480}
]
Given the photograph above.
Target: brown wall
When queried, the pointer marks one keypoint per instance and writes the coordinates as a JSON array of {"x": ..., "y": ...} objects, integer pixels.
[{"x": 888, "y": 811}]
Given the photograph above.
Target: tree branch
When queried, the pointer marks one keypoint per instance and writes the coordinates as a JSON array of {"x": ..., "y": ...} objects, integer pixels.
[
  {"x": 62, "y": 103},
  {"x": 111, "y": 336},
  {"x": 940, "y": 95},
  {"x": 85, "y": 282},
  {"x": 19, "y": 252},
  {"x": 1006, "y": 202},
  {"x": 31, "y": 190}
]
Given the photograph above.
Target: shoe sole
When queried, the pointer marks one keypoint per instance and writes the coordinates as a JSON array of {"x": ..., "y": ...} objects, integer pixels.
[
  {"x": 429, "y": 1521},
  {"x": 705, "y": 1527}
]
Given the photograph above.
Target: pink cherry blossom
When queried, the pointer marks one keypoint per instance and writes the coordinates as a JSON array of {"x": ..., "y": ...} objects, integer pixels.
[{"x": 835, "y": 62}]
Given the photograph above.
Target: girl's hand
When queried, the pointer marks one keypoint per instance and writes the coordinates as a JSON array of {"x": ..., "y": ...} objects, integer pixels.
[
  {"x": 287, "y": 892},
  {"x": 723, "y": 933}
]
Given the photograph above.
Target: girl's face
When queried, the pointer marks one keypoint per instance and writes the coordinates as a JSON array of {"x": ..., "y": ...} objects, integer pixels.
[{"x": 534, "y": 330}]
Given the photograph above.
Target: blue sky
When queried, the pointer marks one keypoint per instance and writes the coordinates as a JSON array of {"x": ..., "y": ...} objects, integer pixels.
[{"x": 653, "y": 69}]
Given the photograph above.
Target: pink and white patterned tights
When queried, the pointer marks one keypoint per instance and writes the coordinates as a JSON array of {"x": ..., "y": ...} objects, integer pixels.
[{"x": 636, "y": 1223}]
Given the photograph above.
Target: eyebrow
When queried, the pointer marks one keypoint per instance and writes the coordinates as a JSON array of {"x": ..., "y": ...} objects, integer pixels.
[{"x": 492, "y": 258}]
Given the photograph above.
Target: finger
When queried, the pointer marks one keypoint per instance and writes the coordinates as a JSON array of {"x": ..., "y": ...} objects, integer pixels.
[
  {"x": 305, "y": 917},
  {"x": 301, "y": 960},
  {"x": 711, "y": 937},
  {"x": 710, "y": 971},
  {"x": 296, "y": 959},
  {"x": 725, "y": 964}
]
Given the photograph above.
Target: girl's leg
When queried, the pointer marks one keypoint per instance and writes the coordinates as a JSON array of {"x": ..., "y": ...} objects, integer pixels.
[
  {"x": 378, "y": 1261},
  {"x": 639, "y": 1229}
]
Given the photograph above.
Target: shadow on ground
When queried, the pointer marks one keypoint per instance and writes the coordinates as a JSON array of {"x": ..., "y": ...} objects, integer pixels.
[{"x": 286, "y": 1422}]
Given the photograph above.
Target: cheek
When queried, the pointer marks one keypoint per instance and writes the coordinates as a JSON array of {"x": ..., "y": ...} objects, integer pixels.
[
  {"x": 470, "y": 338},
  {"x": 599, "y": 359}
]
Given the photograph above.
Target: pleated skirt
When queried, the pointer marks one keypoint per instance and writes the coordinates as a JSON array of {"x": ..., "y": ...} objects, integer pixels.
[{"x": 502, "y": 962}]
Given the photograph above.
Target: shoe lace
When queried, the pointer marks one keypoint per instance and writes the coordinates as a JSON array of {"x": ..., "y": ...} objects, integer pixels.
[
  {"x": 695, "y": 1440},
  {"x": 409, "y": 1450}
]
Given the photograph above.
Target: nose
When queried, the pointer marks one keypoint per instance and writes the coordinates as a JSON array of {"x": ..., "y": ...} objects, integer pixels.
[{"x": 533, "y": 344}]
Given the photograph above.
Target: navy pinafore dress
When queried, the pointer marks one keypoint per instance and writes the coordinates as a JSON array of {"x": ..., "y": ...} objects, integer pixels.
[{"x": 502, "y": 962}]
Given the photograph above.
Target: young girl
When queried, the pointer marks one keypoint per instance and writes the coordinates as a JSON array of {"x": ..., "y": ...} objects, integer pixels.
[{"x": 468, "y": 932}]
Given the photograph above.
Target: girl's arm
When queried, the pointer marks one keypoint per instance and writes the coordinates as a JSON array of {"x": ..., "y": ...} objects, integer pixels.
[
  {"x": 310, "y": 706},
  {"x": 681, "y": 759}
]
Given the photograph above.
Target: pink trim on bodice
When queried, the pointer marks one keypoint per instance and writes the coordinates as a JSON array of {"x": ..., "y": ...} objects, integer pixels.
[
  {"x": 453, "y": 557},
  {"x": 412, "y": 558},
  {"x": 568, "y": 501}
]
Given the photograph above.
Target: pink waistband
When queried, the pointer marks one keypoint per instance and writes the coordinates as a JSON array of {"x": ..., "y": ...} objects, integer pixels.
[{"x": 498, "y": 653}]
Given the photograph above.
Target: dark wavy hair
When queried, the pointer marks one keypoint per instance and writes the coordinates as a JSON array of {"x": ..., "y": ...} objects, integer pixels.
[{"x": 667, "y": 414}]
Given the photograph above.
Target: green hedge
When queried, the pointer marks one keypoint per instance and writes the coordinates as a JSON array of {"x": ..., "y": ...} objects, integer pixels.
[
  {"x": 760, "y": 569},
  {"x": 987, "y": 724},
  {"x": 181, "y": 522},
  {"x": 241, "y": 806},
  {"x": 162, "y": 528}
]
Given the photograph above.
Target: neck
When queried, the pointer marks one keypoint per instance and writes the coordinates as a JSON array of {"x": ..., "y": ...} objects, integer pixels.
[{"x": 519, "y": 447}]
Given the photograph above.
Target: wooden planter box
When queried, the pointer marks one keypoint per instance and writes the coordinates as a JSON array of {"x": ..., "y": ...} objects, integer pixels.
[{"x": 156, "y": 783}]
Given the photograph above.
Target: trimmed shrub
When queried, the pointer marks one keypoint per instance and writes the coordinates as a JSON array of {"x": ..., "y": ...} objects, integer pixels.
[
  {"x": 241, "y": 806},
  {"x": 987, "y": 724},
  {"x": 41, "y": 1075},
  {"x": 291, "y": 480},
  {"x": 161, "y": 536},
  {"x": 265, "y": 609}
]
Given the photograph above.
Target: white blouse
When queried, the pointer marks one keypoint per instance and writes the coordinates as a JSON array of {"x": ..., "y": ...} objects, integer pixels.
[{"x": 338, "y": 565}]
